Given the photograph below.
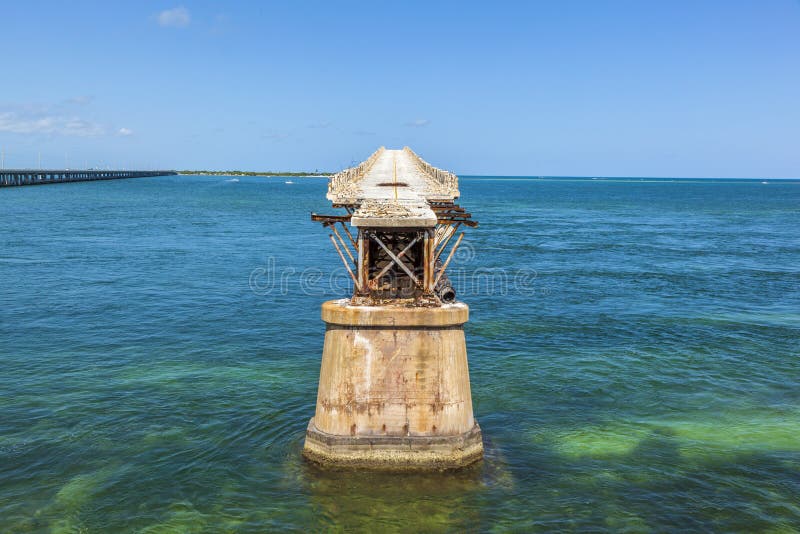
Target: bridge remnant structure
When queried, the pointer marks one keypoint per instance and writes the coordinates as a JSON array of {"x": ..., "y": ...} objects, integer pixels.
[{"x": 394, "y": 388}]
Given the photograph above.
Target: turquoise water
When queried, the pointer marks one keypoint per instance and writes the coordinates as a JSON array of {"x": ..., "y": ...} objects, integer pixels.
[{"x": 633, "y": 348}]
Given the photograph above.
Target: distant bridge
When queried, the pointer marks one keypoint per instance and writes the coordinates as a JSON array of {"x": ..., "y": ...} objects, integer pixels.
[{"x": 13, "y": 177}]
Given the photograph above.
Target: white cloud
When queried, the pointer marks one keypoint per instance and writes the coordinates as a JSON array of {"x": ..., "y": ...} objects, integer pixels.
[
  {"x": 177, "y": 17},
  {"x": 418, "y": 123},
  {"x": 11, "y": 122},
  {"x": 124, "y": 132},
  {"x": 26, "y": 123},
  {"x": 79, "y": 127},
  {"x": 80, "y": 100}
]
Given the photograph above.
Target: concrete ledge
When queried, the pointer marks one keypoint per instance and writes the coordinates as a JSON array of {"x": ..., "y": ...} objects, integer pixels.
[
  {"x": 340, "y": 312},
  {"x": 400, "y": 453}
]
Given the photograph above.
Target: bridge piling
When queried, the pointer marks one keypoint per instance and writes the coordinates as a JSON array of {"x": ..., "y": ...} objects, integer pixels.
[{"x": 394, "y": 390}]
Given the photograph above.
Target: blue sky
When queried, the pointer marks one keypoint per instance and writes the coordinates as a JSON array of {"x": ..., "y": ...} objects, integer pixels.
[{"x": 568, "y": 87}]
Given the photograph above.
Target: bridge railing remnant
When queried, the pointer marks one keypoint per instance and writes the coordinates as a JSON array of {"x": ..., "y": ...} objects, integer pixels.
[
  {"x": 447, "y": 181},
  {"x": 342, "y": 181}
]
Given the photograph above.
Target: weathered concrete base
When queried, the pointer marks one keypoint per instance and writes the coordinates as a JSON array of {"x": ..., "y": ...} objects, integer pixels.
[
  {"x": 394, "y": 389},
  {"x": 402, "y": 453}
]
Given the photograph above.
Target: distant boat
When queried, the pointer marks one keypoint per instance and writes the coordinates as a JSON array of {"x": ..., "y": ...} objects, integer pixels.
[
  {"x": 289, "y": 182},
  {"x": 764, "y": 182},
  {"x": 233, "y": 180}
]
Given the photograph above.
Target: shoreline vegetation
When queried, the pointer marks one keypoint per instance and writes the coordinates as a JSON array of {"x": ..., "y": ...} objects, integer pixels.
[{"x": 315, "y": 174}]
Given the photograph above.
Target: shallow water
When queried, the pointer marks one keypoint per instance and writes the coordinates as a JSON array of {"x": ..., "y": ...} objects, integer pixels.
[{"x": 633, "y": 349}]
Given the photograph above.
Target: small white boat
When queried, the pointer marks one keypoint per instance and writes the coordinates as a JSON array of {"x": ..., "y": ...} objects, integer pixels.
[
  {"x": 288, "y": 182},
  {"x": 232, "y": 180}
]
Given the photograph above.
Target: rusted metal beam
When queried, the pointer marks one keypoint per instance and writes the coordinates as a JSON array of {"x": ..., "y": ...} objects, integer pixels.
[
  {"x": 329, "y": 218},
  {"x": 344, "y": 261},
  {"x": 449, "y": 216},
  {"x": 430, "y": 261},
  {"x": 345, "y": 230},
  {"x": 449, "y": 237},
  {"x": 346, "y": 248},
  {"x": 392, "y": 255},
  {"x": 451, "y": 220},
  {"x": 452, "y": 207},
  {"x": 363, "y": 260},
  {"x": 449, "y": 257},
  {"x": 399, "y": 256},
  {"x": 442, "y": 231}
]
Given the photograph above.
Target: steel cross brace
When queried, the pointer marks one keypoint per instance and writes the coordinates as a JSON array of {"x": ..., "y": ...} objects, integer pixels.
[{"x": 396, "y": 259}]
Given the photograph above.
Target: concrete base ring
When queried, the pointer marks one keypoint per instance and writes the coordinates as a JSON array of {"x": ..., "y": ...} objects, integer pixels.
[{"x": 393, "y": 452}]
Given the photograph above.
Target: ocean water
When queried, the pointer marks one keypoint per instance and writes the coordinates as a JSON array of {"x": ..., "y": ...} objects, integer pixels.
[{"x": 634, "y": 349}]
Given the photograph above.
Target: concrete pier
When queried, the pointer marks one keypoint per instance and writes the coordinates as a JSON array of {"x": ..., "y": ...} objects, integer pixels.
[
  {"x": 17, "y": 177},
  {"x": 394, "y": 390}
]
